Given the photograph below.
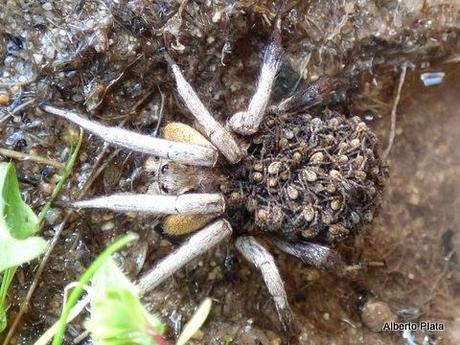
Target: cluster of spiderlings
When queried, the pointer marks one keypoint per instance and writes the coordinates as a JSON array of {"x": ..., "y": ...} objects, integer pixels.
[{"x": 320, "y": 178}]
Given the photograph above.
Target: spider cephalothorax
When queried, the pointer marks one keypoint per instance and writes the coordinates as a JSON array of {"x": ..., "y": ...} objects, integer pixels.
[
  {"x": 315, "y": 178},
  {"x": 305, "y": 180}
]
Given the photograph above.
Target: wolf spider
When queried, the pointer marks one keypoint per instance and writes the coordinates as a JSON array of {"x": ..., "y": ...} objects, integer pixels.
[{"x": 302, "y": 182}]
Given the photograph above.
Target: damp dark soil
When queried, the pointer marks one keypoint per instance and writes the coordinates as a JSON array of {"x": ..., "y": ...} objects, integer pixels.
[{"x": 102, "y": 58}]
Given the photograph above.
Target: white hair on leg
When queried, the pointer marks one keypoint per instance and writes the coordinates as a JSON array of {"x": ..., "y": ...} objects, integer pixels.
[
  {"x": 248, "y": 122},
  {"x": 217, "y": 134},
  {"x": 256, "y": 254},
  {"x": 190, "y": 203},
  {"x": 180, "y": 152},
  {"x": 196, "y": 245}
]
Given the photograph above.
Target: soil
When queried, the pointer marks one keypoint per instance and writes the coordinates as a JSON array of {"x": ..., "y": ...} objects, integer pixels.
[{"x": 102, "y": 58}]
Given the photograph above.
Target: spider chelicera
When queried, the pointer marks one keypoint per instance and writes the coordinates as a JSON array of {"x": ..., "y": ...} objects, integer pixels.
[{"x": 301, "y": 181}]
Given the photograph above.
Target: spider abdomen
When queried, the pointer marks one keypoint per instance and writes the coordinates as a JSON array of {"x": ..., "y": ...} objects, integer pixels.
[{"x": 319, "y": 178}]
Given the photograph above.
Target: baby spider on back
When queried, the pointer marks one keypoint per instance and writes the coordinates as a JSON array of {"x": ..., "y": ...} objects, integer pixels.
[{"x": 302, "y": 181}]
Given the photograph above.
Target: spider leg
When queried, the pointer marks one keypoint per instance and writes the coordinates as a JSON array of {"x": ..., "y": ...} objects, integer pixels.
[
  {"x": 217, "y": 134},
  {"x": 190, "y": 203},
  {"x": 185, "y": 153},
  {"x": 321, "y": 257},
  {"x": 256, "y": 254},
  {"x": 248, "y": 122},
  {"x": 196, "y": 245}
]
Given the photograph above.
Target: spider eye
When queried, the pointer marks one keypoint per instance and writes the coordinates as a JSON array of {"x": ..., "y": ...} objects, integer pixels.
[
  {"x": 164, "y": 168},
  {"x": 164, "y": 189}
]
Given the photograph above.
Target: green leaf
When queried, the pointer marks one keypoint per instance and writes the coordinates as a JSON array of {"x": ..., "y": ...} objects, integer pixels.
[
  {"x": 17, "y": 223},
  {"x": 117, "y": 315},
  {"x": 85, "y": 279}
]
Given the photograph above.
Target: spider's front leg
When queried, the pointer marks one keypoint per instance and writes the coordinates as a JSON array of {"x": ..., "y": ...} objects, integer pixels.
[
  {"x": 190, "y": 203},
  {"x": 248, "y": 122},
  {"x": 192, "y": 154},
  {"x": 256, "y": 254}
]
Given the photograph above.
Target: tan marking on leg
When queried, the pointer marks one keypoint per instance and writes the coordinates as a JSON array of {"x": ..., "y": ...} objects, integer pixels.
[
  {"x": 183, "y": 224},
  {"x": 181, "y": 132}
]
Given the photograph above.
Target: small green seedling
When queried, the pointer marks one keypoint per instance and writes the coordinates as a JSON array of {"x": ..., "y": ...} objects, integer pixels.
[
  {"x": 117, "y": 315},
  {"x": 18, "y": 224}
]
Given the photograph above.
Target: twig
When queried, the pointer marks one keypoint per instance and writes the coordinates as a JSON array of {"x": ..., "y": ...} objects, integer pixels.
[
  {"x": 16, "y": 110},
  {"x": 391, "y": 137},
  {"x": 30, "y": 157},
  {"x": 160, "y": 115}
]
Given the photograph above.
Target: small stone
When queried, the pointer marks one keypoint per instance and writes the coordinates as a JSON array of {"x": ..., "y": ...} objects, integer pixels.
[
  {"x": 375, "y": 314},
  {"x": 108, "y": 226},
  {"x": 4, "y": 99}
]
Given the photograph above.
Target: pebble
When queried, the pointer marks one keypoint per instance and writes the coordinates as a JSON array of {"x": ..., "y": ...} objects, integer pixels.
[{"x": 375, "y": 313}]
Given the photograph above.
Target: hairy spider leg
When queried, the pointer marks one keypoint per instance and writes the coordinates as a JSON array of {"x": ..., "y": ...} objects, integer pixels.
[
  {"x": 257, "y": 255},
  {"x": 195, "y": 245},
  {"x": 189, "y": 203},
  {"x": 248, "y": 122},
  {"x": 190, "y": 154},
  {"x": 217, "y": 134}
]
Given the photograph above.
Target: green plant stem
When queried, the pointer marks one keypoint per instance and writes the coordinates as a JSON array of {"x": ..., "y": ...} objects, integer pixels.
[
  {"x": 65, "y": 175},
  {"x": 84, "y": 280},
  {"x": 7, "y": 278},
  {"x": 8, "y": 275}
]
